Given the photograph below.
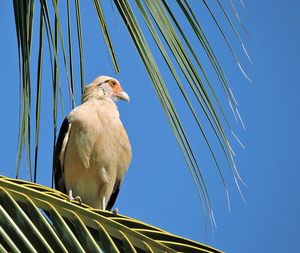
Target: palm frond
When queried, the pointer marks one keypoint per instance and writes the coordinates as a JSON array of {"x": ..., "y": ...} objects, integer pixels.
[{"x": 39, "y": 219}]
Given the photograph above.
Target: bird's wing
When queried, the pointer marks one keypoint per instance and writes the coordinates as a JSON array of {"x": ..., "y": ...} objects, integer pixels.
[
  {"x": 114, "y": 195},
  {"x": 58, "y": 157}
]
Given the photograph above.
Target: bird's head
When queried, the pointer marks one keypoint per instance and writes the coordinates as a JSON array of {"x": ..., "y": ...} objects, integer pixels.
[{"x": 104, "y": 86}]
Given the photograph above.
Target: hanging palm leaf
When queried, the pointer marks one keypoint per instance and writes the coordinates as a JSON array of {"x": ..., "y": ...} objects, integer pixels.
[{"x": 35, "y": 218}]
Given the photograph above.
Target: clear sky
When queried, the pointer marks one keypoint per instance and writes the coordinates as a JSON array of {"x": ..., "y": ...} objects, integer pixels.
[{"x": 158, "y": 188}]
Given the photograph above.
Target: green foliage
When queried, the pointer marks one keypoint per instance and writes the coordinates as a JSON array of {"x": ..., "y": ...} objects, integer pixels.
[{"x": 36, "y": 218}]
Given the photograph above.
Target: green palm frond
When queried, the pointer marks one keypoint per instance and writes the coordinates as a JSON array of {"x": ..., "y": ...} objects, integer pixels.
[
  {"x": 180, "y": 56},
  {"x": 35, "y": 218}
]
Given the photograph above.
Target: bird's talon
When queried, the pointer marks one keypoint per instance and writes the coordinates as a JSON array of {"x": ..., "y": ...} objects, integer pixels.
[
  {"x": 75, "y": 198},
  {"x": 78, "y": 199},
  {"x": 115, "y": 211},
  {"x": 70, "y": 197}
]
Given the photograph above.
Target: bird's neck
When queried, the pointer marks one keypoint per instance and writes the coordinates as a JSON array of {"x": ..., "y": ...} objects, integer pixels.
[{"x": 101, "y": 101}]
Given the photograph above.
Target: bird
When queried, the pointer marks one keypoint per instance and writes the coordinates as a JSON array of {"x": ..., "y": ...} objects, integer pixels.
[{"x": 93, "y": 151}]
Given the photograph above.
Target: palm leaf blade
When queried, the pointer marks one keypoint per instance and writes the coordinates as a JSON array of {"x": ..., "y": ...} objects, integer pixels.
[
  {"x": 128, "y": 246},
  {"x": 14, "y": 231},
  {"x": 84, "y": 236},
  {"x": 80, "y": 43},
  {"x": 21, "y": 219},
  {"x": 106, "y": 241},
  {"x": 38, "y": 93},
  {"x": 23, "y": 11},
  {"x": 105, "y": 33},
  {"x": 43, "y": 226},
  {"x": 6, "y": 242}
]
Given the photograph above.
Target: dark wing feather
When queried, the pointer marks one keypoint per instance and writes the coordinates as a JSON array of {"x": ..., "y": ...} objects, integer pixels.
[
  {"x": 113, "y": 196},
  {"x": 58, "y": 170}
]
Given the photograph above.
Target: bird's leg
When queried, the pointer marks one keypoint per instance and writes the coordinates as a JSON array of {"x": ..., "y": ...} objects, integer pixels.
[
  {"x": 103, "y": 203},
  {"x": 70, "y": 197},
  {"x": 116, "y": 211}
]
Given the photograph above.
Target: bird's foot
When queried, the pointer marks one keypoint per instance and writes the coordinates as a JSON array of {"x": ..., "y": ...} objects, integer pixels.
[
  {"x": 70, "y": 197},
  {"x": 115, "y": 211}
]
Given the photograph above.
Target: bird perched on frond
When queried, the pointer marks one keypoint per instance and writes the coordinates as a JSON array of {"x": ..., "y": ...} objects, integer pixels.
[{"x": 93, "y": 151}]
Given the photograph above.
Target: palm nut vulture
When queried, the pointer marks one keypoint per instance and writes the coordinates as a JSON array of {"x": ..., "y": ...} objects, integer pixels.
[{"x": 93, "y": 151}]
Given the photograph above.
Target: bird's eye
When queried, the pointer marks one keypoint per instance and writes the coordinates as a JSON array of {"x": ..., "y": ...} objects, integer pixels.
[{"x": 113, "y": 83}]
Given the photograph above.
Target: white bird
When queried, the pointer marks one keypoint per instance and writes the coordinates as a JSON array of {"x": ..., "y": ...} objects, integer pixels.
[{"x": 93, "y": 151}]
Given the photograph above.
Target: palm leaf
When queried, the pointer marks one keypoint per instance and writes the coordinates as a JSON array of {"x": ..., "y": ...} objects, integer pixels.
[{"x": 39, "y": 219}]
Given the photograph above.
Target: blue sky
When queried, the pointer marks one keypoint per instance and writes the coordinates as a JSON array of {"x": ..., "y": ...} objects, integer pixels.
[{"x": 158, "y": 188}]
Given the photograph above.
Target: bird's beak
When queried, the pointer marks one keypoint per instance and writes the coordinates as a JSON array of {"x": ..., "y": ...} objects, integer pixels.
[{"x": 123, "y": 96}]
